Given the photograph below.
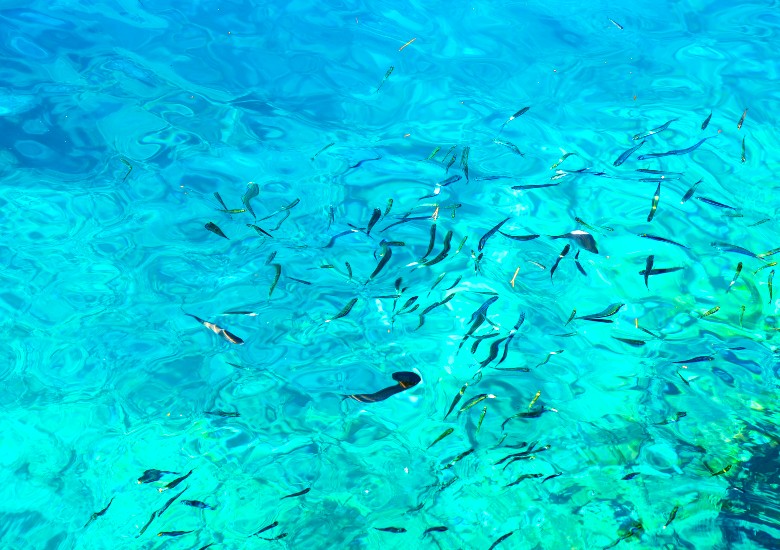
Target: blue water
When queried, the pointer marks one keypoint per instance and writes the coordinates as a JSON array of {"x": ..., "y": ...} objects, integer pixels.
[{"x": 119, "y": 121}]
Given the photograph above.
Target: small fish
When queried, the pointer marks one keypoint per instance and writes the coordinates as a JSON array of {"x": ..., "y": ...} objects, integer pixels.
[
  {"x": 683, "y": 379},
  {"x": 458, "y": 458},
  {"x": 709, "y": 312},
  {"x": 412, "y": 40},
  {"x": 648, "y": 269},
  {"x": 769, "y": 284},
  {"x": 456, "y": 399},
  {"x": 610, "y": 310},
  {"x": 706, "y": 121},
  {"x": 216, "y": 230},
  {"x": 277, "y": 274},
  {"x": 689, "y": 193},
  {"x": 632, "y": 475},
  {"x": 501, "y": 539},
  {"x": 736, "y": 275},
  {"x": 715, "y": 203},
  {"x": 509, "y": 145},
  {"x": 560, "y": 160},
  {"x": 573, "y": 313},
  {"x": 173, "y": 533},
  {"x": 721, "y": 472},
  {"x": 768, "y": 253},
  {"x": 549, "y": 355},
  {"x": 741, "y": 315},
  {"x": 96, "y": 515},
  {"x": 742, "y": 119},
  {"x": 552, "y": 476},
  {"x": 631, "y": 342},
  {"x": 261, "y": 231},
  {"x": 220, "y": 201},
  {"x": 171, "y": 500},
  {"x": 490, "y": 233},
  {"x": 743, "y": 158},
  {"x": 391, "y": 529},
  {"x": 437, "y": 529},
  {"x": 224, "y": 414},
  {"x": 150, "y": 476},
  {"x": 444, "y": 434},
  {"x": 697, "y": 359},
  {"x": 175, "y": 482},
  {"x": 663, "y": 240},
  {"x": 726, "y": 247},
  {"x": 344, "y": 311},
  {"x": 624, "y": 156},
  {"x": 535, "y": 399},
  {"x": 685, "y": 151},
  {"x": 252, "y": 190},
  {"x": 360, "y": 163},
  {"x": 560, "y": 257},
  {"x": 451, "y": 162},
  {"x": 653, "y": 131},
  {"x": 523, "y": 478},
  {"x": 387, "y": 253},
  {"x": 474, "y": 400},
  {"x": 387, "y": 75},
  {"x": 654, "y": 204},
  {"x": 519, "y": 237},
  {"x": 277, "y": 537},
  {"x": 197, "y": 504},
  {"x": 464, "y": 162},
  {"x": 148, "y": 523},
  {"x": 673, "y": 514},
  {"x": 661, "y": 271},
  {"x": 298, "y": 494},
  {"x": 578, "y": 264},
  {"x": 229, "y": 336},
  {"x": 759, "y": 222},
  {"x": 481, "y": 418},
  {"x": 374, "y": 218},
  {"x": 405, "y": 381},
  {"x": 618, "y": 25},
  {"x": 433, "y": 154},
  {"x": 266, "y": 528},
  {"x": 518, "y": 187},
  {"x": 521, "y": 112}
]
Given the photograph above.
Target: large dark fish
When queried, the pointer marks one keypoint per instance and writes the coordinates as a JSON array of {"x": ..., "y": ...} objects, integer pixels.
[{"x": 405, "y": 381}]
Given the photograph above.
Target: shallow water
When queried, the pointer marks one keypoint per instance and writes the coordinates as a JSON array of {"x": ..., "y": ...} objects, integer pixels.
[{"x": 118, "y": 122}]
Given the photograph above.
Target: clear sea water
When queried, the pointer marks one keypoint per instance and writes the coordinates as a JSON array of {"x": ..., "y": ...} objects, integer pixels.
[{"x": 120, "y": 120}]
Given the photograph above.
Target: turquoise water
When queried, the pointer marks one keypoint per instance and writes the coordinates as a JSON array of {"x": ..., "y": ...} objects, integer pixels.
[{"x": 120, "y": 120}]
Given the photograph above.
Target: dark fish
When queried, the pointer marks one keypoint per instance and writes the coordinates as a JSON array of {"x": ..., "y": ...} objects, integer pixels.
[
  {"x": 743, "y": 158},
  {"x": 405, "y": 381},
  {"x": 769, "y": 284},
  {"x": 474, "y": 400},
  {"x": 624, "y": 156},
  {"x": 512, "y": 332},
  {"x": 478, "y": 318},
  {"x": 648, "y": 268},
  {"x": 653, "y": 131},
  {"x": 518, "y": 187},
  {"x": 437, "y": 529},
  {"x": 501, "y": 539},
  {"x": 431, "y": 242},
  {"x": 405, "y": 219},
  {"x": 345, "y": 310},
  {"x": 663, "y": 240},
  {"x": 697, "y": 359},
  {"x": 216, "y": 230},
  {"x": 490, "y": 233},
  {"x": 573, "y": 313},
  {"x": 665, "y": 172},
  {"x": 581, "y": 238},
  {"x": 726, "y": 247},
  {"x": 150, "y": 476},
  {"x": 709, "y": 312},
  {"x": 333, "y": 239},
  {"x": 328, "y": 146},
  {"x": 654, "y": 204},
  {"x": 736, "y": 275},
  {"x": 521, "y": 112},
  {"x": 175, "y": 482},
  {"x": 261, "y": 231},
  {"x": 456, "y": 399},
  {"x": 387, "y": 75},
  {"x": 391, "y": 529},
  {"x": 660, "y": 271},
  {"x": 171, "y": 500},
  {"x": 552, "y": 476},
  {"x": 266, "y": 528},
  {"x": 610, "y": 310},
  {"x": 360, "y": 163},
  {"x": 715, "y": 203},
  {"x": 277, "y": 274},
  {"x": 706, "y": 121},
  {"x": 197, "y": 504},
  {"x": 632, "y": 475},
  {"x": 219, "y": 199},
  {"x": 173, "y": 533},
  {"x": 387, "y": 253},
  {"x": 374, "y": 218},
  {"x": 560, "y": 257},
  {"x": 493, "y": 352},
  {"x": 230, "y": 337},
  {"x": 673, "y": 514},
  {"x": 523, "y": 478},
  {"x": 631, "y": 342},
  {"x": 742, "y": 119},
  {"x": 277, "y": 537},
  {"x": 578, "y": 264},
  {"x": 519, "y": 237},
  {"x": 464, "y": 162},
  {"x": 444, "y": 434},
  {"x": 148, "y": 523},
  {"x": 298, "y": 494},
  {"x": 252, "y": 190},
  {"x": 675, "y": 152},
  {"x": 458, "y": 458},
  {"x": 444, "y": 251},
  {"x": 618, "y": 25},
  {"x": 224, "y": 414},
  {"x": 96, "y": 515}
]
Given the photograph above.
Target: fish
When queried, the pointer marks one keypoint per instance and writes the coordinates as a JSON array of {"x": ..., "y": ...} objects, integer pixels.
[
  {"x": 663, "y": 240},
  {"x": 523, "y": 478},
  {"x": 726, "y": 247},
  {"x": 481, "y": 418},
  {"x": 549, "y": 355},
  {"x": 631, "y": 341},
  {"x": 685, "y": 151},
  {"x": 387, "y": 253},
  {"x": 223, "y": 414},
  {"x": 583, "y": 239},
  {"x": 521, "y": 112},
  {"x": 444, "y": 434},
  {"x": 229, "y": 336},
  {"x": 560, "y": 257},
  {"x": 433, "y": 154},
  {"x": 573, "y": 313},
  {"x": 618, "y": 25},
  {"x": 431, "y": 242},
  {"x": 759, "y": 222},
  {"x": 493, "y": 350},
  {"x": 360, "y": 163},
  {"x": 709, "y": 312},
  {"x": 405, "y": 381},
  {"x": 560, "y": 160},
  {"x": 464, "y": 162},
  {"x": 264, "y": 529},
  {"x": 277, "y": 537},
  {"x": 150, "y": 476},
  {"x": 632, "y": 475},
  {"x": 478, "y": 318},
  {"x": 689, "y": 193},
  {"x": 624, "y": 156},
  {"x": 298, "y": 494},
  {"x": 387, "y": 75},
  {"x": 474, "y": 400},
  {"x": 519, "y": 237},
  {"x": 511, "y": 146},
  {"x": 344, "y": 311},
  {"x": 328, "y": 146},
  {"x": 654, "y": 204},
  {"x": 490, "y": 233},
  {"x": 197, "y": 504},
  {"x": 768, "y": 253},
  {"x": 96, "y": 515},
  {"x": 736, "y": 275},
  {"x": 609, "y": 311},
  {"x": 661, "y": 271},
  {"x": 653, "y": 131},
  {"x": 252, "y": 190},
  {"x": 451, "y": 162},
  {"x": 769, "y": 284},
  {"x": 743, "y": 158},
  {"x": 721, "y": 472},
  {"x": 445, "y": 250},
  {"x": 697, "y": 359},
  {"x": 706, "y": 121},
  {"x": 277, "y": 274},
  {"x": 578, "y": 264},
  {"x": 715, "y": 203},
  {"x": 742, "y": 119},
  {"x": 518, "y": 187},
  {"x": 665, "y": 172},
  {"x": 391, "y": 529},
  {"x": 458, "y": 458},
  {"x": 374, "y": 218},
  {"x": 501, "y": 539},
  {"x": 174, "y": 533},
  {"x": 741, "y": 314},
  {"x": 211, "y": 226},
  {"x": 648, "y": 269},
  {"x": 437, "y": 529},
  {"x": 456, "y": 399},
  {"x": 148, "y": 523},
  {"x": 171, "y": 500},
  {"x": 552, "y": 476},
  {"x": 261, "y": 231},
  {"x": 672, "y": 515}
]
